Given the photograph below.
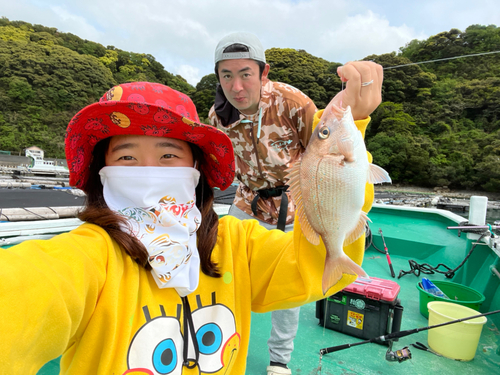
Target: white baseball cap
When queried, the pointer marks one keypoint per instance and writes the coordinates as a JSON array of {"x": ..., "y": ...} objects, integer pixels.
[{"x": 255, "y": 49}]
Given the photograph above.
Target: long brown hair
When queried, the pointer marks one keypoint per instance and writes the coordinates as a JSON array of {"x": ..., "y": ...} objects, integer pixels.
[{"x": 97, "y": 212}]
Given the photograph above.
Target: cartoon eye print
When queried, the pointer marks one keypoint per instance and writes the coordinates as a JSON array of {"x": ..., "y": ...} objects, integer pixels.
[
  {"x": 157, "y": 347},
  {"x": 217, "y": 338}
]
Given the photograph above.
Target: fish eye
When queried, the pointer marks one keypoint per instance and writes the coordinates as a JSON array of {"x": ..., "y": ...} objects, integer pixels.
[{"x": 324, "y": 133}]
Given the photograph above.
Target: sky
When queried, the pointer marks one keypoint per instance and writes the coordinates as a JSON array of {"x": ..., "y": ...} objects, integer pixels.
[{"x": 182, "y": 34}]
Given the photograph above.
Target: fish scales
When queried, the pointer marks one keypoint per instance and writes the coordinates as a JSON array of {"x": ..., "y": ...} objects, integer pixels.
[{"x": 328, "y": 186}]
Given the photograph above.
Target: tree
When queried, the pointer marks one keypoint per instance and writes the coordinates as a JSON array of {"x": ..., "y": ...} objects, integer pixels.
[
  {"x": 438, "y": 124},
  {"x": 47, "y": 76},
  {"x": 314, "y": 76},
  {"x": 204, "y": 97}
]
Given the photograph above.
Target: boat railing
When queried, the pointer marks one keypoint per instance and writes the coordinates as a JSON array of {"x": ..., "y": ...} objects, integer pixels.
[
  {"x": 492, "y": 240},
  {"x": 12, "y": 233}
]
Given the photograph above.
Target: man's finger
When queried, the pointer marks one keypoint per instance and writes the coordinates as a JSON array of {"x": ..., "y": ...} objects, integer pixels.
[{"x": 353, "y": 78}]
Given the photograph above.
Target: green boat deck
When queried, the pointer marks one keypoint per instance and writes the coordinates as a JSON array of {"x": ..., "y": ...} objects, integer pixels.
[
  {"x": 410, "y": 233},
  {"x": 420, "y": 235}
]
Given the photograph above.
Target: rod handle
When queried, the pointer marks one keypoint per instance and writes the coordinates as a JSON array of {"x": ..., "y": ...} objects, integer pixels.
[{"x": 392, "y": 269}]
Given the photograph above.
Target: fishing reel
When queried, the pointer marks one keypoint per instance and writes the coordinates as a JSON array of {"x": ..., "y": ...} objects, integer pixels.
[{"x": 400, "y": 355}]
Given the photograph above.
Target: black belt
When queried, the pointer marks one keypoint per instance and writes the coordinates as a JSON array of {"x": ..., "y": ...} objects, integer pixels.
[{"x": 274, "y": 192}]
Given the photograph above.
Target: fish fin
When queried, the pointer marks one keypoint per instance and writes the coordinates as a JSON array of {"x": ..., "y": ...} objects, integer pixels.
[
  {"x": 346, "y": 148},
  {"x": 335, "y": 267},
  {"x": 294, "y": 183},
  {"x": 358, "y": 230},
  {"x": 378, "y": 175}
]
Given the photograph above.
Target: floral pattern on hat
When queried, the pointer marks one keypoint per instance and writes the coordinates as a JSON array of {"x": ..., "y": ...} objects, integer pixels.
[
  {"x": 220, "y": 149},
  {"x": 193, "y": 138},
  {"x": 136, "y": 98},
  {"x": 153, "y": 109},
  {"x": 152, "y": 130},
  {"x": 164, "y": 117},
  {"x": 142, "y": 109},
  {"x": 96, "y": 124},
  {"x": 78, "y": 160}
]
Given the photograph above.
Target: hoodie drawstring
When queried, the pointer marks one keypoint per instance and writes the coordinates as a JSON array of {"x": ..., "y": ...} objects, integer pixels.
[
  {"x": 259, "y": 126},
  {"x": 189, "y": 332},
  {"x": 260, "y": 123}
]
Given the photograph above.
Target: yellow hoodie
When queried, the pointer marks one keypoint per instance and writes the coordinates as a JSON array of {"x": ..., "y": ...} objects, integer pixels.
[{"x": 80, "y": 296}]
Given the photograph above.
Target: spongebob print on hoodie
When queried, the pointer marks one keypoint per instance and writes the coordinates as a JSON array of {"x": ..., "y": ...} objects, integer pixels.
[{"x": 157, "y": 348}]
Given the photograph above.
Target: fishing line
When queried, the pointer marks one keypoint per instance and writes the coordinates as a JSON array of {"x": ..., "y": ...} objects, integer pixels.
[
  {"x": 443, "y": 59},
  {"x": 324, "y": 318},
  {"x": 369, "y": 239},
  {"x": 342, "y": 98}
]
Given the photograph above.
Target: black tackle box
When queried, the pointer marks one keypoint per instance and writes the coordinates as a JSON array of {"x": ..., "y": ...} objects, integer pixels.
[{"x": 367, "y": 308}]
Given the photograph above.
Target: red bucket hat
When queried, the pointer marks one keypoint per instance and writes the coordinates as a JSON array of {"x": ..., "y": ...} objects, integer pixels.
[{"x": 144, "y": 108}]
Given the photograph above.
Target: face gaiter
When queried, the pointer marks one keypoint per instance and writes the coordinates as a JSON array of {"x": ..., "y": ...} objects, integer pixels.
[{"x": 159, "y": 204}]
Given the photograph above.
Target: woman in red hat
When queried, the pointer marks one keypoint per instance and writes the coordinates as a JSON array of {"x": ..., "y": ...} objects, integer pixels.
[{"x": 153, "y": 282}]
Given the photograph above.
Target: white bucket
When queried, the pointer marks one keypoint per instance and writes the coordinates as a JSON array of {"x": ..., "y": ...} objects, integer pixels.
[{"x": 458, "y": 340}]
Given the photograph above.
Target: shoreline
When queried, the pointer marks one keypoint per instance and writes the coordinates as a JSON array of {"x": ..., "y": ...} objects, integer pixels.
[{"x": 443, "y": 192}]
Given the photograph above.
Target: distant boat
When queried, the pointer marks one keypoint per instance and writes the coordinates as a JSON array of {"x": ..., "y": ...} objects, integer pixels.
[{"x": 38, "y": 164}]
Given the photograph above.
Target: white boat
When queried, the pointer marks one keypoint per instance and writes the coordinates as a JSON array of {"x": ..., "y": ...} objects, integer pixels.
[{"x": 38, "y": 164}]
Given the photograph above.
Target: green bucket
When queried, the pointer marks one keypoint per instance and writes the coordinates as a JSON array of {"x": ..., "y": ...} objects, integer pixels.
[{"x": 458, "y": 293}]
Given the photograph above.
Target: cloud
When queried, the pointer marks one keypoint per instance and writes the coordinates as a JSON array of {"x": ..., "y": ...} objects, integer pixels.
[
  {"x": 434, "y": 16},
  {"x": 190, "y": 73},
  {"x": 361, "y": 35},
  {"x": 72, "y": 21},
  {"x": 182, "y": 34}
]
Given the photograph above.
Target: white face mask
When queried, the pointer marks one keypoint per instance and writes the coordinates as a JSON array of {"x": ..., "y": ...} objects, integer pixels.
[{"x": 160, "y": 206}]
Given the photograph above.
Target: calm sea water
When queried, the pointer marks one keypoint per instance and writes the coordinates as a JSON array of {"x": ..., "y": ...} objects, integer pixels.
[{"x": 492, "y": 215}]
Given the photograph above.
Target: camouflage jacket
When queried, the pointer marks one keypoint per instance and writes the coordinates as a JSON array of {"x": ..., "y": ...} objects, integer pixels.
[{"x": 286, "y": 126}]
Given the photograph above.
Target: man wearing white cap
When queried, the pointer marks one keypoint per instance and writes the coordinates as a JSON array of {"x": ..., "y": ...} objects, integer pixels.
[{"x": 269, "y": 124}]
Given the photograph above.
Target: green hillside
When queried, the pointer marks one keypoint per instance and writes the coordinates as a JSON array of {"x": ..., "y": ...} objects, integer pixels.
[
  {"x": 46, "y": 76},
  {"x": 439, "y": 123}
]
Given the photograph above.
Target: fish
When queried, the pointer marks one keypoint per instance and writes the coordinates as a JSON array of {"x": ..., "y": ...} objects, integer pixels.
[{"x": 328, "y": 186}]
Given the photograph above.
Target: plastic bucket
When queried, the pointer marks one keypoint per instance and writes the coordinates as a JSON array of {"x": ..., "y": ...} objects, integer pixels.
[
  {"x": 458, "y": 293},
  {"x": 458, "y": 340}
]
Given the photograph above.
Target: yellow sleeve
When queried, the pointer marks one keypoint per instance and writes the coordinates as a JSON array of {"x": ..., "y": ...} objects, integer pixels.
[
  {"x": 47, "y": 291},
  {"x": 369, "y": 189},
  {"x": 286, "y": 270}
]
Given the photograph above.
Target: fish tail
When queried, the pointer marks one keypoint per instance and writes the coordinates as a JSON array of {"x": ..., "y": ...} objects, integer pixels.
[{"x": 335, "y": 267}]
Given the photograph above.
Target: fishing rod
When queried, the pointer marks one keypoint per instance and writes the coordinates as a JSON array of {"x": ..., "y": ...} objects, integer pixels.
[
  {"x": 399, "y": 334},
  {"x": 387, "y": 254},
  {"x": 476, "y": 227}
]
